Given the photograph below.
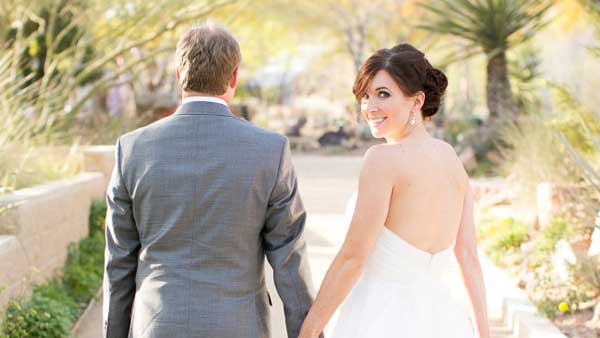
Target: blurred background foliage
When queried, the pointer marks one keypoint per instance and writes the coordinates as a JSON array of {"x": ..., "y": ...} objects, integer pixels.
[{"x": 83, "y": 72}]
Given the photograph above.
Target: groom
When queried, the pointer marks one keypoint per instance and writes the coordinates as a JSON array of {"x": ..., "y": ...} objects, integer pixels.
[{"x": 195, "y": 203}]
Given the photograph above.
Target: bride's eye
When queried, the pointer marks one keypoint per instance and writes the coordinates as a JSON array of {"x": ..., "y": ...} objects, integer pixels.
[{"x": 383, "y": 94}]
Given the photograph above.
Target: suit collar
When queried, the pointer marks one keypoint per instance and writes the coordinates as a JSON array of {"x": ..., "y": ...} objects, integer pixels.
[
  {"x": 204, "y": 108},
  {"x": 203, "y": 99}
]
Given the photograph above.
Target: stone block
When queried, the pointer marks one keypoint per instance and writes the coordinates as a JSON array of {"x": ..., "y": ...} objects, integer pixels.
[{"x": 42, "y": 221}]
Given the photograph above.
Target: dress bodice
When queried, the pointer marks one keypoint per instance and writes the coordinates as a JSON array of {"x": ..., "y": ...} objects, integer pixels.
[
  {"x": 403, "y": 292},
  {"x": 393, "y": 258}
]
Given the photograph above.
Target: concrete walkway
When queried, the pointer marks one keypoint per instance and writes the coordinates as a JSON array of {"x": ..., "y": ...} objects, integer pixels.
[{"x": 326, "y": 185}]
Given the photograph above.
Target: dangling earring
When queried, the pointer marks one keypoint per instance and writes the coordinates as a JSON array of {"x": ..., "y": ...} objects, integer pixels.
[{"x": 413, "y": 119}]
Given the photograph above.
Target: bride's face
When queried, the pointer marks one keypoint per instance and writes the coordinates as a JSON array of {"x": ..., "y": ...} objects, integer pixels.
[{"x": 385, "y": 107}]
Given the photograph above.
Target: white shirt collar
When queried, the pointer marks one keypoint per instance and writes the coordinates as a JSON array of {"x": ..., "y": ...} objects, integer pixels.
[{"x": 204, "y": 99}]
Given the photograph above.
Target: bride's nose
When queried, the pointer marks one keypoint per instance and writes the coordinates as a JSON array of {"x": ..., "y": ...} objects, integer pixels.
[{"x": 368, "y": 106}]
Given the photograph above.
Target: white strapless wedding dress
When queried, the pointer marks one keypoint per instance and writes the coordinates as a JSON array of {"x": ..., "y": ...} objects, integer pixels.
[{"x": 402, "y": 294}]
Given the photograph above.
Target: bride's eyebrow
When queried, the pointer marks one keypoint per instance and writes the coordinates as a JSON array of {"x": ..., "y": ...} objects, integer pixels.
[{"x": 378, "y": 88}]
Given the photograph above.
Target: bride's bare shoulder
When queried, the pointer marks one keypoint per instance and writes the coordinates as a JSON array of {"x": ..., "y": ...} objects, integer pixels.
[
  {"x": 382, "y": 153},
  {"x": 444, "y": 145},
  {"x": 378, "y": 154},
  {"x": 454, "y": 161},
  {"x": 382, "y": 159},
  {"x": 446, "y": 148}
]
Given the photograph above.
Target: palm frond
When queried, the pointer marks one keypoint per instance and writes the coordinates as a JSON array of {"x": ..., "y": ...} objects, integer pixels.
[{"x": 491, "y": 24}]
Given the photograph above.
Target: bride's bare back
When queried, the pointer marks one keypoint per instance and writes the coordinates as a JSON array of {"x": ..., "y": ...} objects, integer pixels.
[{"x": 426, "y": 203}]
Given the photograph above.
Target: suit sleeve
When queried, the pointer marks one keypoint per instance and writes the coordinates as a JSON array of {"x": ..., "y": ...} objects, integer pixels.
[
  {"x": 285, "y": 246},
  {"x": 121, "y": 255}
]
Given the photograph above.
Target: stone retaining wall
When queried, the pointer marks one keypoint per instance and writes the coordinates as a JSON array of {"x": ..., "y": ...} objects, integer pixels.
[{"x": 38, "y": 226}]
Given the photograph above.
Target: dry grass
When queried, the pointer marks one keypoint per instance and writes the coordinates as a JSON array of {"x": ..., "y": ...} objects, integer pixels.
[{"x": 22, "y": 166}]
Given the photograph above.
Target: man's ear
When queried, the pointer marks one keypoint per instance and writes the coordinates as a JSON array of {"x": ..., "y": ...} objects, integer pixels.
[
  {"x": 234, "y": 78},
  {"x": 178, "y": 75}
]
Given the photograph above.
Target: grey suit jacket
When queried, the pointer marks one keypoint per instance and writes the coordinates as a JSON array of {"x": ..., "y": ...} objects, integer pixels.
[{"x": 195, "y": 203}]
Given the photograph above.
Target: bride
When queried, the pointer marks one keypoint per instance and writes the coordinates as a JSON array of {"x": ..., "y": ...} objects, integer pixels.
[{"x": 413, "y": 211}]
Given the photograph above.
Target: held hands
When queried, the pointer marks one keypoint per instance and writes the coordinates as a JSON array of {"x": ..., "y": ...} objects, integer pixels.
[
  {"x": 309, "y": 329},
  {"x": 305, "y": 334}
]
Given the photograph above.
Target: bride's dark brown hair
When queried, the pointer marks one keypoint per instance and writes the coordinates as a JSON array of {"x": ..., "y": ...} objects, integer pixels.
[{"x": 411, "y": 71}]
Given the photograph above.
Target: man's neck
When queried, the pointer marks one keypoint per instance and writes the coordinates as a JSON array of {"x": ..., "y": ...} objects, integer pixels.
[{"x": 187, "y": 94}]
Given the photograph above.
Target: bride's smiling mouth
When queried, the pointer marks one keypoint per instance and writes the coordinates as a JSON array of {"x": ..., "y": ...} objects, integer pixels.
[{"x": 376, "y": 122}]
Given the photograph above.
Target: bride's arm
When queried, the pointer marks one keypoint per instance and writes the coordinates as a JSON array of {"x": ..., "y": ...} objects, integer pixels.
[
  {"x": 374, "y": 191},
  {"x": 466, "y": 255}
]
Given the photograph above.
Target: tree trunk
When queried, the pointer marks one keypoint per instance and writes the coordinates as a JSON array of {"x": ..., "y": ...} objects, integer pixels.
[{"x": 499, "y": 95}]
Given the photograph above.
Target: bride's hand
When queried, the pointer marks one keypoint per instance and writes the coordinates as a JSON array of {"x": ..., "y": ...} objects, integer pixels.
[
  {"x": 310, "y": 327},
  {"x": 306, "y": 335},
  {"x": 306, "y": 332}
]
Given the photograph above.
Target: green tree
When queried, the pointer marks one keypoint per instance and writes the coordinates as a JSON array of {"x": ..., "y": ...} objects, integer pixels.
[
  {"x": 491, "y": 27},
  {"x": 50, "y": 31},
  {"x": 352, "y": 29},
  {"x": 42, "y": 91}
]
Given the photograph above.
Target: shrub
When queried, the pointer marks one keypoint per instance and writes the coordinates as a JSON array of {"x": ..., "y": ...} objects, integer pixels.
[
  {"x": 505, "y": 233},
  {"x": 549, "y": 294},
  {"x": 557, "y": 229},
  {"x": 83, "y": 269},
  {"x": 97, "y": 216},
  {"x": 501, "y": 239},
  {"x": 531, "y": 154},
  {"x": 40, "y": 316},
  {"x": 55, "y": 291},
  {"x": 55, "y": 305}
]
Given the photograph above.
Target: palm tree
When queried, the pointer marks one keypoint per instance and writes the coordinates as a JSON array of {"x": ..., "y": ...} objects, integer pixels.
[{"x": 491, "y": 27}]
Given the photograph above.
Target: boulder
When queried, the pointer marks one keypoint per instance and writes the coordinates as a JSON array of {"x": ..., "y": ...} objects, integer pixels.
[{"x": 333, "y": 138}]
